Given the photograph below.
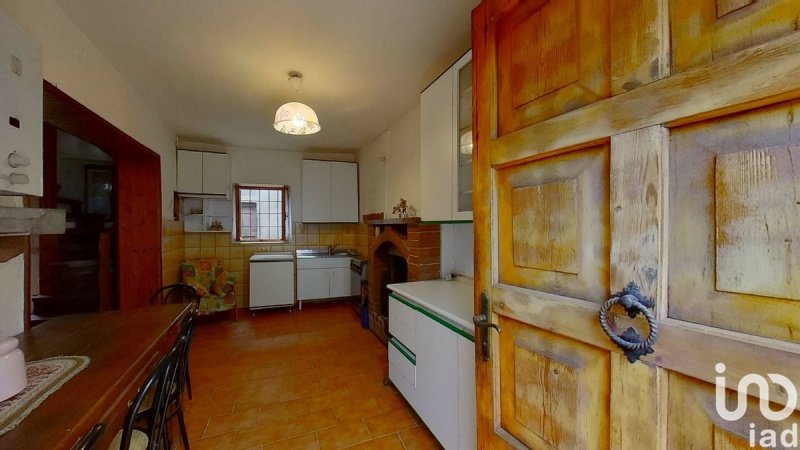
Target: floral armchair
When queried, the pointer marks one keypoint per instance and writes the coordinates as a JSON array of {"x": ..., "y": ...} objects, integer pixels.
[{"x": 214, "y": 285}]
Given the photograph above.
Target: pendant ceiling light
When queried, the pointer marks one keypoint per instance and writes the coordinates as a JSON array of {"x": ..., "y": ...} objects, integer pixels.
[{"x": 295, "y": 117}]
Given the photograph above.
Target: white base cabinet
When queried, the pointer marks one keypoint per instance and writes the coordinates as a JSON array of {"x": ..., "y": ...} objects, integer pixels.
[
  {"x": 432, "y": 363},
  {"x": 319, "y": 278}
]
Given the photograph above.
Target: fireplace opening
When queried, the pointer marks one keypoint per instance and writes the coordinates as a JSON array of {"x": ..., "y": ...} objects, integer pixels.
[
  {"x": 391, "y": 267},
  {"x": 397, "y": 272}
]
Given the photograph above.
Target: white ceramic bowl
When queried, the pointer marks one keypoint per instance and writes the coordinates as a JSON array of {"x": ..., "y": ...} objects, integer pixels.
[{"x": 13, "y": 376}]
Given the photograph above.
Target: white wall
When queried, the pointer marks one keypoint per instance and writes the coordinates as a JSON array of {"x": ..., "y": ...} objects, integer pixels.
[
  {"x": 458, "y": 249},
  {"x": 74, "y": 65},
  {"x": 384, "y": 181}
]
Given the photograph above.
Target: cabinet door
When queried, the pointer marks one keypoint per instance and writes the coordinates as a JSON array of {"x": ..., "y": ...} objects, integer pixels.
[
  {"x": 344, "y": 192},
  {"x": 216, "y": 173},
  {"x": 437, "y": 372},
  {"x": 462, "y": 153},
  {"x": 340, "y": 282},
  {"x": 436, "y": 149},
  {"x": 316, "y": 194},
  {"x": 466, "y": 394},
  {"x": 312, "y": 283},
  {"x": 190, "y": 172}
]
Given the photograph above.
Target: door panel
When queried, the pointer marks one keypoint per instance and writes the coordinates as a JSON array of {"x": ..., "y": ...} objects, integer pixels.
[
  {"x": 694, "y": 422},
  {"x": 549, "y": 53},
  {"x": 736, "y": 180},
  {"x": 563, "y": 248},
  {"x": 554, "y": 391},
  {"x": 709, "y": 30}
]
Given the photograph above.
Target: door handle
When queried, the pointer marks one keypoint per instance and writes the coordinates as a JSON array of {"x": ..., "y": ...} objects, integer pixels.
[
  {"x": 635, "y": 303},
  {"x": 482, "y": 320}
]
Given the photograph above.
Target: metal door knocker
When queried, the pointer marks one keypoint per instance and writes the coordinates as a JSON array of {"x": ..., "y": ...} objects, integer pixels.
[{"x": 635, "y": 303}]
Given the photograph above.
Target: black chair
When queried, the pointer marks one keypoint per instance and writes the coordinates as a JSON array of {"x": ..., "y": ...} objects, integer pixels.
[
  {"x": 174, "y": 407},
  {"x": 180, "y": 293},
  {"x": 156, "y": 392},
  {"x": 175, "y": 293},
  {"x": 183, "y": 381}
]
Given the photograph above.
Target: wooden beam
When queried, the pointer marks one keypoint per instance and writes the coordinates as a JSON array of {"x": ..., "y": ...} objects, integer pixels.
[{"x": 761, "y": 75}]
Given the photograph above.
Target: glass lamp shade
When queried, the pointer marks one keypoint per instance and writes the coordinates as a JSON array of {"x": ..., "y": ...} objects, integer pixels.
[
  {"x": 465, "y": 143},
  {"x": 296, "y": 118}
]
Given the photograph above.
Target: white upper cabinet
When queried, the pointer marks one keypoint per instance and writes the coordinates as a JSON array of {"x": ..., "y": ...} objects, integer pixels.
[
  {"x": 330, "y": 191},
  {"x": 446, "y": 145},
  {"x": 216, "y": 173},
  {"x": 344, "y": 192},
  {"x": 316, "y": 194},
  {"x": 21, "y": 150},
  {"x": 190, "y": 170},
  {"x": 203, "y": 173}
]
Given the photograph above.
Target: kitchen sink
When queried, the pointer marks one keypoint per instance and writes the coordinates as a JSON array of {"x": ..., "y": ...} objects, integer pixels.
[{"x": 311, "y": 253}]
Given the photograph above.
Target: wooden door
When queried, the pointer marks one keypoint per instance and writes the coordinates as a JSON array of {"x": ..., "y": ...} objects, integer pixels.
[{"x": 653, "y": 142}]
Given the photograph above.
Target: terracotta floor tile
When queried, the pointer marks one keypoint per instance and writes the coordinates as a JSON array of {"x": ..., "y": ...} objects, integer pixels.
[
  {"x": 221, "y": 442},
  {"x": 232, "y": 422},
  {"x": 266, "y": 433},
  {"x": 272, "y": 411},
  {"x": 358, "y": 409},
  {"x": 419, "y": 438},
  {"x": 300, "y": 391},
  {"x": 327, "y": 400},
  {"x": 343, "y": 435},
  {"x": 196, "y": 428},
  {"x": 304, "y": 442},
  {"x": 307, "y": 379},
  {"x": 388, "y": 423},
  {"x": 307, "y": 423},
  {"x": 391, "y": 442}
]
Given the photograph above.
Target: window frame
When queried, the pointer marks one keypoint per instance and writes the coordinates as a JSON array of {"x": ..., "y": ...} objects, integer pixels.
[{"x": 284, "y": 190}]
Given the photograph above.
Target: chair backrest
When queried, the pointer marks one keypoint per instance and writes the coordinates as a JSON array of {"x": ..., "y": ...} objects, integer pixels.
[
  {"x": 175, "y": 293},
  {"x": 185, "y": 343},
  {"x": 157, "y": 386}
]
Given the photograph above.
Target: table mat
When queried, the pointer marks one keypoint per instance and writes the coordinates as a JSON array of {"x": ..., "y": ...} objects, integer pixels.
[{"x": 44, "y": 377}]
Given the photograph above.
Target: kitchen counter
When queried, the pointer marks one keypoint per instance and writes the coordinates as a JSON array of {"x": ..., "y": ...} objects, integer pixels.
[{"x": 452, "y": 300}]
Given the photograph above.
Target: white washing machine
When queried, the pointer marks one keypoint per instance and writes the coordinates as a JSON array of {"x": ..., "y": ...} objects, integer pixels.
[{"x": 272, "y": 280}]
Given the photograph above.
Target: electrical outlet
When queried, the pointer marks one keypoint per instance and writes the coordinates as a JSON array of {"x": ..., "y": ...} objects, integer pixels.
[{"x": 16, "y": 65}]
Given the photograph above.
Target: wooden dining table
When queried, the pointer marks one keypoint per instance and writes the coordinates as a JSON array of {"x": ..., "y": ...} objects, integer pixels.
[{"x": 123, "y": 346}]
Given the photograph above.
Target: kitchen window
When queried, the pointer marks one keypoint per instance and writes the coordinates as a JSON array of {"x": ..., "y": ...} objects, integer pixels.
[{"x": 261, "y": 212}]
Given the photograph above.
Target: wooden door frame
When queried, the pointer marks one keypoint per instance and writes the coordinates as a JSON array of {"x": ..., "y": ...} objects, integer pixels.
[{"x": 138, "y": 194}]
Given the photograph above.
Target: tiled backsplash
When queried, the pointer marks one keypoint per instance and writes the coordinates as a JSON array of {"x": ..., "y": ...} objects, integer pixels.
[{"x": 179, "y": 246}]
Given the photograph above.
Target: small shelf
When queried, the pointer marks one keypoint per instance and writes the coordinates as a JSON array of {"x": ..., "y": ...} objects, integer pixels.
[{"x": 213, "y": 209}]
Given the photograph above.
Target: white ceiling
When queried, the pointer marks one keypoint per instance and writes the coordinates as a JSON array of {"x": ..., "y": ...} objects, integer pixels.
[{"x": 216, "y": 70}]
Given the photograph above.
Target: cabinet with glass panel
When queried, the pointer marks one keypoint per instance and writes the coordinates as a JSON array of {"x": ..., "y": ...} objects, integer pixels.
[{"x": 446, "y": 145}]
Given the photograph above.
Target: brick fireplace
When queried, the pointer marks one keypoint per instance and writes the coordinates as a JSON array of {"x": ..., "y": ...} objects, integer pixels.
[{"x": 399, "y": 250}]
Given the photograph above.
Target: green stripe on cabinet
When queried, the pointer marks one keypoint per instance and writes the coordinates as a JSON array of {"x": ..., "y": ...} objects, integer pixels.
[
  {"x": 403, "y": 350},
  {"x": 441, "y": 320}
]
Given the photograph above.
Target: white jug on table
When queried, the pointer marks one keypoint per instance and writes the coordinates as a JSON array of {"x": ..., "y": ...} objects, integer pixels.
[{"x": 13, "y": 374}]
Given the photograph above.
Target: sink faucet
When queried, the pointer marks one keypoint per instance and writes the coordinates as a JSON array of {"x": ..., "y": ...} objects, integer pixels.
[{"x": 331, "y": 247}]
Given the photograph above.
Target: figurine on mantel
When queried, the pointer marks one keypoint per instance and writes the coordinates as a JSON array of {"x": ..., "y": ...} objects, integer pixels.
[{"x": 401, "y": 209}]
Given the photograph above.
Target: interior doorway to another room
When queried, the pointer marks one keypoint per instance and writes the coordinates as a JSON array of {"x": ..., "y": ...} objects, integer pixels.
[{"x": 76, "y": 270}]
